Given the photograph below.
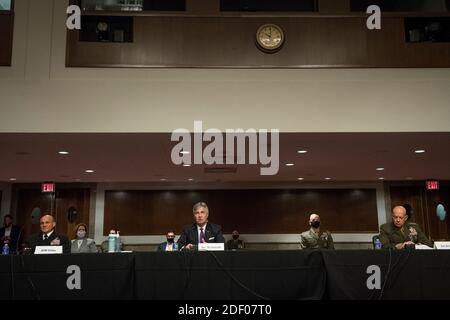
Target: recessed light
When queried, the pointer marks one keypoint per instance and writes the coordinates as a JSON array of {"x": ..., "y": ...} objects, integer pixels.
[
  {"x": 302, "y": 151},
  {"x": 379, "y": 169},
  {"x": 289, "y": 164},
  {"x": 380, "y": 178},
  {"x": 162, "y": 179},
  {"x": 419, "y": 151},
  {"x": 300, "y": 179},
  {"x": 12, "y": 179},
  {"x": 89, "y": 171},
  {"x": 327, "y": 178},
  {"x": 190, "y": 179},
  {"x": 186, "y": 165},
  {"x": 184, "y": 152},
  {"x": 63, "y": 152}
]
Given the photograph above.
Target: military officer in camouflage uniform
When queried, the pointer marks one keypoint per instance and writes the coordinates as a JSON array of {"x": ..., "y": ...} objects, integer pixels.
[
  {"x": 314, "y": 238},
  {"x": 400, "y": 234}
]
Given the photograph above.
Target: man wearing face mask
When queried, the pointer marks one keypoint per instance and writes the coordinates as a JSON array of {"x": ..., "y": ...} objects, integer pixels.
[
  {"x": 170, "y": 244},
  {"x": 81, "y": 243},
  {"x": 315, "y": 238},
  {"x": 235, "y": 243}
]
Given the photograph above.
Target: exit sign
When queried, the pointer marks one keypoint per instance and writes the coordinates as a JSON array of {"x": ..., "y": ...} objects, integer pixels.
[
  {"x": 432, "y": 185},
  {"x": 48, "y": 187}
]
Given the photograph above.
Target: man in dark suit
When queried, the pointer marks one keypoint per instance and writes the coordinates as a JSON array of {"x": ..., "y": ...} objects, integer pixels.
[
  {"x": 170, "y": 244},
  {"x": 10, "y": 233},
  {"x": 48, "y": 235},
  {"x": 201, "y": 231}
]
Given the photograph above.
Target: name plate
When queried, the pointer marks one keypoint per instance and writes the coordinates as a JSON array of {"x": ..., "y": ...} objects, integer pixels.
[
  {"x": 423, "y": 247},
  {"x": 211, "y": 247},
  {"x": 442, "y": 245},
  {"x": 48, "y": 250}
]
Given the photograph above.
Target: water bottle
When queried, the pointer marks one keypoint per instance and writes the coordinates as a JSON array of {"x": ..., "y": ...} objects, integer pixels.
[
  {"x": 118, "y": 242},
  {"x": 5, "y": 249},
  {"x": 112, "y": 241},
  {"x": 377, "y": 244}
]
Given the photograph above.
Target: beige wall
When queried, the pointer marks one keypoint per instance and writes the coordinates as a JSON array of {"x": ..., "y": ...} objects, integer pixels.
[{"x": 38, "y": 94}]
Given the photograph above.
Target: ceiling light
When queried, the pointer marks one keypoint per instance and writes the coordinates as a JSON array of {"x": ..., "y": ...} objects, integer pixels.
[
  {"x": 63, "y": 152},
  {"x": 379, "y": 169},
  {"x": 190, "y": 179},
  {"x": 186, "y": 165},
  {"x": 327, "y": 178},
  {"x": 419, "y": 151},
  {"x": 289, "y": 164},
  {"x": 302, "y": 151},
  {"x": 89, "y": 171},
  {"x": 162, "y": 179},
  {"x": 380, "y": 178},
  {"x": 300, "y": 179},
  {"x": 12, "y": 179}
]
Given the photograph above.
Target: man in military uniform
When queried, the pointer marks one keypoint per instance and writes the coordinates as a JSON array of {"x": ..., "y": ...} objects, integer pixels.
[
  {"x": 235, "y": 243},
  {"x": 314, "y": 238},
  {"x": 400, "y": 234}
]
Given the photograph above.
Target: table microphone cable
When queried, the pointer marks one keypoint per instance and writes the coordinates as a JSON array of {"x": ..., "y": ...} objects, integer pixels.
[
  {"x": 27, "y": 276},
  {"x": 240, "y": 284},
  {"x": 401, "y": 267}
]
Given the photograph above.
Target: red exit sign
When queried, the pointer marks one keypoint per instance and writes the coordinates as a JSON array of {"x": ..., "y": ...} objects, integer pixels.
[
  {"x": 48, "y": 187},
  {"x": 432, "y": 185}
]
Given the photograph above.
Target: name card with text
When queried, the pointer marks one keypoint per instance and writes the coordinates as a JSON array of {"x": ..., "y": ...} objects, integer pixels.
[
  {"x": 48, "y": 250},
  {"x": 442, "y": 245},
  {"x": 211, "y": 247}
]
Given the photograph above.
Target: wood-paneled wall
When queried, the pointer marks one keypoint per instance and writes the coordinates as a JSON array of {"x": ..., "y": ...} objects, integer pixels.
[
  {"x": 192, "y": 41},
  {"x": 424, "y": 204},
  {"x": 6, "y": 37},
  {"x": 146, "y": 212},
  {"x": 28, "y": 197}
]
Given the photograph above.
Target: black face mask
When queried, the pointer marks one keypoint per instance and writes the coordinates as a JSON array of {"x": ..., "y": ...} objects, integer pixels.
[
  {"x": 235, "y": 236},
  {"x": 170, "y": 240},
  {"x": 315, "y": 224}
]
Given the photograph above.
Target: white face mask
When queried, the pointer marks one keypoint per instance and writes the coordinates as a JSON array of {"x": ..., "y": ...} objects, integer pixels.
[{"x": 81, "y": 234}]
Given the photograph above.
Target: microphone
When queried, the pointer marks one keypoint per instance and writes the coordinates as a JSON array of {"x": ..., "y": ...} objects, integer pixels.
[{"x": 18, "y": 240}]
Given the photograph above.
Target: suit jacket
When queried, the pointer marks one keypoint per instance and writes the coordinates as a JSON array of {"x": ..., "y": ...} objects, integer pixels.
[
  {"x": 15, "y": 234},
  {"x": 36, "y": 240},
  {"x": 162, "y": 246},
  {"x": 87, "y": 246},
  {"x": 213, "y": 233}
]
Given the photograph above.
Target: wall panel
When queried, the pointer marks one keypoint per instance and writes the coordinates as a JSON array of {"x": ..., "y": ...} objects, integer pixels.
[{"x": 145, "y": 212}]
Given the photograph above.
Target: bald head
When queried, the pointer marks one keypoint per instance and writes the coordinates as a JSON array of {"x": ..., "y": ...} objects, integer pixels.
[
  {"x": 314, "y": 221},
  {"x": 47, "y": 223},
  {"x": 399, "y": 216}
]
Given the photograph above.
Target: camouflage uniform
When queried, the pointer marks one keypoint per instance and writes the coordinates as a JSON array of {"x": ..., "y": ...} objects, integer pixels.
[
  {"x": 390, "y": 235},
  {"x": 312, "y": 240}
]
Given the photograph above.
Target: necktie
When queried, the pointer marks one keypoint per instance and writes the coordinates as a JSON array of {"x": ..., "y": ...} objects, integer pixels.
[
  {"x": 45, "y": 236},
  {"x": 202, "y": 236}
]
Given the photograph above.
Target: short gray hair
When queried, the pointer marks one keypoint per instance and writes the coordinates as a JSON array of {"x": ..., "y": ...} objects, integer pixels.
[{"x": 200, "y": 205}]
